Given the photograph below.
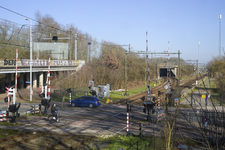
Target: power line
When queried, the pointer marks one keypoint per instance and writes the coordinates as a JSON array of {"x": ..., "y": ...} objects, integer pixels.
[
  {"x": 68, "y": 32},
  {"x": 12, "y": 44},
  {"x": 11, "y": 21}
]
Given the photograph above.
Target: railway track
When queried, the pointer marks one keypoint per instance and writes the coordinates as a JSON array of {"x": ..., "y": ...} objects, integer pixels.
[
  {"x": 72, "y": 145},
  {"x": 136, "y": 99},
  {"x": 49, "y": 140},
  {"x": 71, "y": 141},
  {"x": 27, "y": 136}
]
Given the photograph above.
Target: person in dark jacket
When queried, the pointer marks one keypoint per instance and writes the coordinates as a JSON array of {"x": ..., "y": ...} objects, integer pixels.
[{"x": 54, "y": 111}]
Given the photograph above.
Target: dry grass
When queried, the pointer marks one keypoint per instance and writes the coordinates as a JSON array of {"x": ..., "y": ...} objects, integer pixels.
[{"x": 25, "y": 93}]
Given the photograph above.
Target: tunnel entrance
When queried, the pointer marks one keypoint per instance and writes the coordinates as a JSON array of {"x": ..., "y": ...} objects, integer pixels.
[{"x": 163, "y": 72}]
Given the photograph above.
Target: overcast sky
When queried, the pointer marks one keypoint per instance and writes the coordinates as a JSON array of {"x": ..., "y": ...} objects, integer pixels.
[{"x": 183, "y": 23}]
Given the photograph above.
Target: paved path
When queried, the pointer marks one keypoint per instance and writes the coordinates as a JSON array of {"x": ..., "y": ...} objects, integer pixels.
[{"x": 197, "y": 100}]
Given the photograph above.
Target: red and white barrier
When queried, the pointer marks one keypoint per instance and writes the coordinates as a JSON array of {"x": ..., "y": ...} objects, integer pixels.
[
  {"x": 15, "y": 90},
  {"x": 46, "y": 89},
  {"x": 3, "y": 117},
  {"x": 158, "y": 102},
  {"x": 127, "y": 122},
  {"x": 49, "y": 76},
  {"x": 70, "y": 98}
]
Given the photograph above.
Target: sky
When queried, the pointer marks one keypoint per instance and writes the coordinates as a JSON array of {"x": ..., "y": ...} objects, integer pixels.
[{"x": 184, "y": 23}]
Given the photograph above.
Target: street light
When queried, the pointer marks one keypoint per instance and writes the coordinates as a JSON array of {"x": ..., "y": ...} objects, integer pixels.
[
  {"x": 198, "y": 55},
  {"x": 89, "y": 47},
  {"x": 31, "y": 91}
]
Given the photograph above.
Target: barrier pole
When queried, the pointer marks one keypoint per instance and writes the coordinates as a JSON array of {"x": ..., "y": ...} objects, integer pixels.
[
  {"x": 49, "y": 76},
  {"x": 70, "y": 98},
  {"x": 127, "y": 123},
  {"x": 14, "y": 100}
]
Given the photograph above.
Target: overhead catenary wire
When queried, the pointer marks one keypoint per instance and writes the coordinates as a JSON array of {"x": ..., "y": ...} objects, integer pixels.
[
  {"x": 13, "y": 44},
  {"x": 68, "y": 32},
  {"x": 11, "y": 21}
]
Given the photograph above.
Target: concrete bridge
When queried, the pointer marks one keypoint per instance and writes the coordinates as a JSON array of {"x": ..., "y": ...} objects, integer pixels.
[
  {"x": 39, "y": 71},
  {"x": 162, "y": 70}
]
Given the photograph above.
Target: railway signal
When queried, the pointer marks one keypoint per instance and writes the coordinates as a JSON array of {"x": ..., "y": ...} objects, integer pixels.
[
  {"x": 12, "y": 91},
  {"x": 69, "y": 91},
  {"x": 45, "y": 92}
]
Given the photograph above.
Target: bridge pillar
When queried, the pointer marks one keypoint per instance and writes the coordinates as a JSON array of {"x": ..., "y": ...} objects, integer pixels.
[
  {"x": 41, "y": 77},
  {"x": 21, "y": 80},
  {"x": 8, "y": 79},
  {"x": 175, "y": 71},
  {"x": 27, "y": 79},
  {"x": 34, "y": 79}
]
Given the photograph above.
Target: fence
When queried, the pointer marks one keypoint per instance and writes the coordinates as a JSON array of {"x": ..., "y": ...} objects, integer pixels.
[
  {"x": 76, "y": 92},
  {"x": 154, "y": 140},
  {"x": 203, "y": 122},
  {"x": 214, "y": 118},
  {"x": 149, "y": 134}
]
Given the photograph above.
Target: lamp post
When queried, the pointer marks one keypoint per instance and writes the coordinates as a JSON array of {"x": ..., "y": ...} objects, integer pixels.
[
  {"x": 89, "y": 49},
  {"x": 220, "y": 19},
  {"x": 31, "y": 91},
  {"x": 198, "y": 58}
]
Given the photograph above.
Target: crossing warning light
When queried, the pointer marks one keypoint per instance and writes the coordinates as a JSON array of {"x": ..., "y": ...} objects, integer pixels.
[{"x": 68, "y": 90}]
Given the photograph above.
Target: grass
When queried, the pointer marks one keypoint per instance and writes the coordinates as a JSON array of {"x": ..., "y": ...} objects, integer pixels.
[
  {"x": 119, "y": 95},
  {"x": 37, "y": 114},
  {"x": 189, "y": 142},
  {"x": 67, "y": 98},
  {"x": 130, "y": 142},
  {"x": 9, "y": 132},
  {"x": 113, "y": 95},
  {"x": 9, "y": 124},
  {"x": 184, "y": 106}
]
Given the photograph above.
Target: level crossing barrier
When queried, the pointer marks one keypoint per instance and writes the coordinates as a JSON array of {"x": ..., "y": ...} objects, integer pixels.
[{"x": 3, "y": 115}]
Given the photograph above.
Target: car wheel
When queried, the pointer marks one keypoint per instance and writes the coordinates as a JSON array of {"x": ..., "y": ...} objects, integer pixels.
[
  {"x": 91, "y": 105},
  {"x": 73, "y": 104}
]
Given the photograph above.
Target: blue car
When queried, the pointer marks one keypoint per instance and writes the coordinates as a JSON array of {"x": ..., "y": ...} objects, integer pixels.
[{"x": 89, "y": 101}]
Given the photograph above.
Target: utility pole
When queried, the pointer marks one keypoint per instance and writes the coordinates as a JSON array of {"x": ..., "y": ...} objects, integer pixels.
[
  {"x": 70, "y": 45},
  {"x": 129, "y": 48},
  {"x": 220, "y": 17},
  {"x": 198, "y": 57},
  {"x": 179, "y": 72},
  {"x": 89, "y": 47},
  {"x": 156, "y": 75},
  {"x": 75, "y": 57},
  {"x": 126, "y": 74},
  {"x": 31, "y": 91}
]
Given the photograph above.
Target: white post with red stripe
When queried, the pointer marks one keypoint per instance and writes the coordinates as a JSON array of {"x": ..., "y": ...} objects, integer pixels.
[
  {"x": 47, "y": 87},
  {"x": 70, "y": 98},
  {"x": 8, "y": 95},
  {"x": 127, "y": 123},
  {"x": 158, "y": 103},
  {"x": 15, "y": 90},
  {"x": 49, "y": 77}
]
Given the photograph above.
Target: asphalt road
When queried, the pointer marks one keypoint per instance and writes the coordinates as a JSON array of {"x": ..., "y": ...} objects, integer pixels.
[{"x": 107, "y": 119}]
